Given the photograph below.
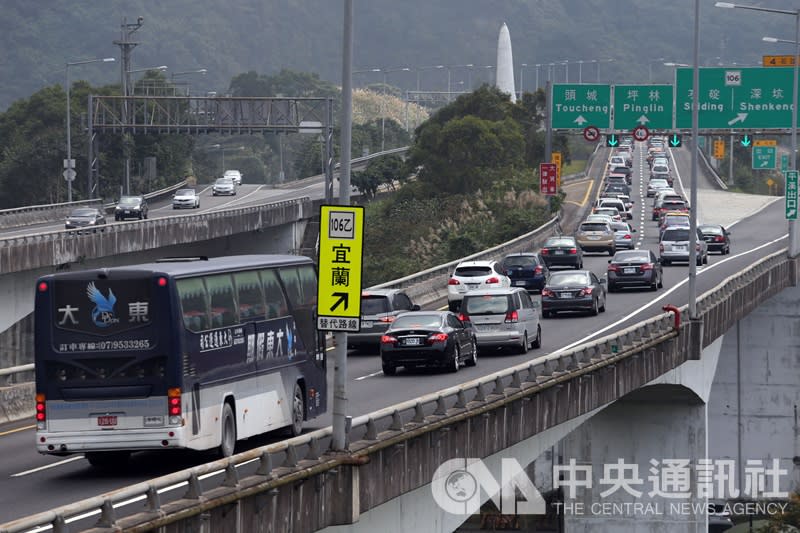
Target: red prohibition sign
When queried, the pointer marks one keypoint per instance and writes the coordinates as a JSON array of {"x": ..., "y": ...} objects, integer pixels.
[
  {"x": 591, "y": 133},
  {"x": 640, "y": 133}
]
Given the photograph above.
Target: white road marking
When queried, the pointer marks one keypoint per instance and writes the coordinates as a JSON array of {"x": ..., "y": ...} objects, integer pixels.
[
  {"x": 235, "y": 200},
  {"x": 378, "y": 373},
  {"x": 47, "y": 467}
]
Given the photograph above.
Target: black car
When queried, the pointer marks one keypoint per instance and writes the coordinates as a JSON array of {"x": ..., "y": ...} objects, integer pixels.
[
  {"x": 428, "y": 338},
  {"x": 526, "y": 270},
  {"x": 623, "y": 188},
  {"x": 84, "y": 217},
  {"x": 561, "y": 251},
  {"x": 573, "y": 291},
  {"x": 717, "y": 238},
  {"x": 131, "y": 207},
  {"x": 635, "y": 268},
  {"x": 379, "y": 308}
]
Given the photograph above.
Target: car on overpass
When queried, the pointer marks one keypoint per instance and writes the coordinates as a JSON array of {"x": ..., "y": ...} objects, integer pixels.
[
  {"x": 634, "y": 268},
  {"x": 674, "y": 246},
  {"x": 581, "y": 290},
  {"x": 507, "y": 318},
  {"x": 224, "y": 186},
  {"x": 474, "y": 275},
  {"x": 186, "y": 199},
  {"x": 131, "y": 207},
  {"x": 526, "y": 269},
  {"x": 428, "y": 339},
  {"x": 85, "y": 217},
  {"x": 562, "y": 250},
  {"x": 718, "y": 239},
  {"x": 379, "y": 308}
]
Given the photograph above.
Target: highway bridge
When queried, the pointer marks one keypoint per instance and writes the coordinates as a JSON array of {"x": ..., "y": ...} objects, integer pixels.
[{"x": 593, "y": 378}]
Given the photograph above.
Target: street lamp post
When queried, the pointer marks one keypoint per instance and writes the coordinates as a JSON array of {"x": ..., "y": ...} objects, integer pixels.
[
  {"x": 792, "y": 160},
  {"x": 537, "y": 65},
  {"x": 126, "y": 92},
  {"x": 201, "y": 71},
  {"x": 383, "y": 100},
  {"x": 521, "y": 79},
  {"x": 69, "y": 165}
]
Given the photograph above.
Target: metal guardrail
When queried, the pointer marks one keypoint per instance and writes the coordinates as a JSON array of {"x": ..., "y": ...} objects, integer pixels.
[
  {"x": 355, "y": 161},
  {"x": 711, "y": 170}
]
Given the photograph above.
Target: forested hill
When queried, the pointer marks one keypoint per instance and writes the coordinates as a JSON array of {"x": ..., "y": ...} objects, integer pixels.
[{"x": 233, "y": 36}]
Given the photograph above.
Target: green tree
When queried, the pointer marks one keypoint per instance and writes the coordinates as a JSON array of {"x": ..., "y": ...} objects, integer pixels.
[{"x": 789, "y": 520}]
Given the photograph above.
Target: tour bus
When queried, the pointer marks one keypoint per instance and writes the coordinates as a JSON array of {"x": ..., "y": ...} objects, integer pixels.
[{"x": 193, "y": 353}]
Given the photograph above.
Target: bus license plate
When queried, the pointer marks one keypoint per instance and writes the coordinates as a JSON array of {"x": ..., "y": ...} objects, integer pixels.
[{"x": 106, "y": 420}]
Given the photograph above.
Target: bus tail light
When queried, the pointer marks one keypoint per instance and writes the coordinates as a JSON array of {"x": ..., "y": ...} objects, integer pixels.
[
  {"x": 41, "y": 411},
  {"x": 174, "y": 405}
]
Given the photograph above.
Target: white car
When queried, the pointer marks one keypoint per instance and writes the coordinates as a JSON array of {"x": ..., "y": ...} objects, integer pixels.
[
  {"x": 235, "y": 175},
  {"x": 224, "y": 186},
  {"x": 186, "y": 199},
  {"x": 472, "y": 276}
]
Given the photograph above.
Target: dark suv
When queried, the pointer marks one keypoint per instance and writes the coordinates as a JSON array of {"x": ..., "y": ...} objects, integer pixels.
[
  {"x": 526, "y": 270},
  {"x": 379, "y": 308},
  {"x": 131, "y": 207}
]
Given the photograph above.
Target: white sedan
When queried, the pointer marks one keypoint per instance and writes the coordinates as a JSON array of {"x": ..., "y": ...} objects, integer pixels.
[{"x": 186, "y": 199}]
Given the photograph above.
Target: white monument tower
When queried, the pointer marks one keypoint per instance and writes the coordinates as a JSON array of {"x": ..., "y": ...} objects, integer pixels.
[{"x": 505, "y": 63}]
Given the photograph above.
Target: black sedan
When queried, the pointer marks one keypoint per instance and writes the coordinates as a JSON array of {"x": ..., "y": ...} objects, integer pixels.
[
  {"x": 84, "y": 217},
  {"x": 131, "y": 207},
  {"x": 526, "y": 270},
  {"x": 717, "y": 238},
  {"x": 635, "y": 268},
  {"x": 573, "y": 291},
  {"x": 562, "y": 251},
  {"x": 428, "y": 338}
]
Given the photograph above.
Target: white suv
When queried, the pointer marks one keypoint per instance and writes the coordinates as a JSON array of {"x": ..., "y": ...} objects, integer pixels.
[
  {"x": 235, "y": 175},
  {"x": 474, "y": 275}
]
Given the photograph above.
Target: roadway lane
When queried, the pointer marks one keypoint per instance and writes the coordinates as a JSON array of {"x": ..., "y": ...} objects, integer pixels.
[
  {"x": 247, "y": 196},
  {"x": 31, "y": 483}
]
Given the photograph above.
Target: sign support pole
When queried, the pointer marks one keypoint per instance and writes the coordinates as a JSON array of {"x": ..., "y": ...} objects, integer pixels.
[
  {"x": 793, "y": 156},
  {"x": 548, "y": 132},
  {"x": 339, "y": 440},
  {"x": 695, "y": 144},
  {"x": 730, "y": 165}
]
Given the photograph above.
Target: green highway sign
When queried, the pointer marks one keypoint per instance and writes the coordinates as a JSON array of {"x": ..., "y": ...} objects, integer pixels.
[
  {"x": 791, "y": 195},
  {"x": 784, "y": 162},
  {"x": 577, "y": 106},
  {"x": 763, "y": 157},
  {"x": 736, "y": 98},
  {"x": 643, "y": 105}
]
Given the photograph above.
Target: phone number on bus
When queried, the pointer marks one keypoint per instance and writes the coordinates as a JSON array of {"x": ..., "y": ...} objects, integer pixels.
[{"x": 135, "y": 344}]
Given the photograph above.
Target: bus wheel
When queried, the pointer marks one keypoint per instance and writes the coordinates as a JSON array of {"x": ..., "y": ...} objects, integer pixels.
[
  {"x": 228, "y": 441},
  {"x": 298, "y": 411},
  {"x": 108, "y": 459}
]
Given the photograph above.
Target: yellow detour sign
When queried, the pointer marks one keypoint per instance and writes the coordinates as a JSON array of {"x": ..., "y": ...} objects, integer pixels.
[
  {"x": 555, "y": 157},
  {"x": 341, "y": 234},
  {"x": 719, "y": 149},
  {"x": 765, "y": 142}
]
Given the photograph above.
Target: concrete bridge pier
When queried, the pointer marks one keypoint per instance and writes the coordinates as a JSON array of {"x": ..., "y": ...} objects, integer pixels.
[{"x": 641, "y": 456}]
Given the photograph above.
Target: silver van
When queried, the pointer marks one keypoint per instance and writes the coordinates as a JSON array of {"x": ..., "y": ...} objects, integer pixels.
[{"x": 503, "y": 318}]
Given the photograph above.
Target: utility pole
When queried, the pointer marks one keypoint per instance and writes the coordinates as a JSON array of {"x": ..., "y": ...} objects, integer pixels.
[{"x": 126, "y": 47}]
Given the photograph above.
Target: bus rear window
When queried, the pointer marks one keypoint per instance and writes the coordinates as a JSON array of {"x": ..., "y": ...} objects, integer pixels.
[{"x": 102, "y": 307}]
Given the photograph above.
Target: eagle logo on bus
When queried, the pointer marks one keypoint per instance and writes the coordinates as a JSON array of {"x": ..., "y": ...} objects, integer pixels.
[{"x": 103, "y": 312}]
